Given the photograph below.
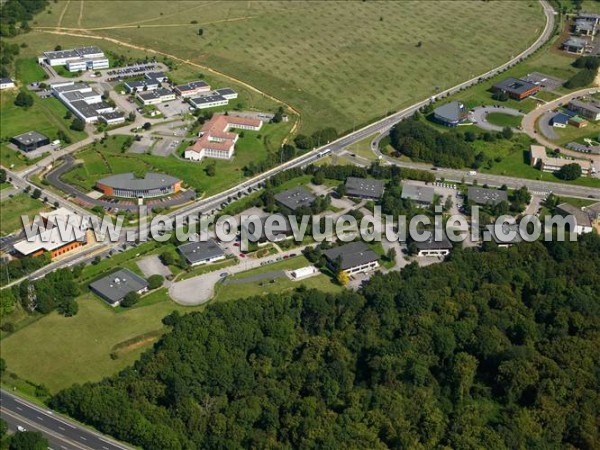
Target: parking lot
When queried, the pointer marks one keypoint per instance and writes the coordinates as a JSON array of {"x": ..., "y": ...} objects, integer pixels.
[
  {"x": 164, "y": 147},
  {"x": 173, "y": 108},
  {"x": 546, "y": 82}
]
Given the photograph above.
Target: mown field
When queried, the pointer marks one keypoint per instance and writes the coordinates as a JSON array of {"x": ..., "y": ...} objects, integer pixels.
[
  {"x": 339, "y": 63},
  {"x": 12, "y": 210}
]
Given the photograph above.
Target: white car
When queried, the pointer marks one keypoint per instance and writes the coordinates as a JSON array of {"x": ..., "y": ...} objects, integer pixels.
[{"x": 21, "y": 429}]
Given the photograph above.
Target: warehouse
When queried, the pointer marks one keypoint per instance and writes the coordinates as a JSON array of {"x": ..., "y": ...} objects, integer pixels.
[{"x": 30, "y": 141}]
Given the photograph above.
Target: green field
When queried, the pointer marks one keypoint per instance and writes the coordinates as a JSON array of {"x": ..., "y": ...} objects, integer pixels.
[
  {"x": 100, "y": 161},
  {"x": 339, "y": 63},
  {"x": 28, "y": 71},
  {"x": 504, "y": 120},
  {"x": 14, "y": 208}
]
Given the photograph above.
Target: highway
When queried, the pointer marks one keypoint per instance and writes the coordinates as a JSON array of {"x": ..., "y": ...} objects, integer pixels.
[{"x": 62, "y": 433}]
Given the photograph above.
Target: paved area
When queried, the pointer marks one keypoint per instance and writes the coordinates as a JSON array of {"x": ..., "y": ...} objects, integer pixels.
[
  {"x": 547, "y": 82},
  {"x": 545, "y": 125},
  {"x": 478, "y": 115},
  {"x": 152, "y": 265},
  {"x": 164, "y": 147}
]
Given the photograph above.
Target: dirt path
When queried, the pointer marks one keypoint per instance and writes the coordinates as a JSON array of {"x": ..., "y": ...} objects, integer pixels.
[
  {"x": 80, "y": 13},
  {"x": 62, "y": 14},
  {"x": 184, "y": 61}
]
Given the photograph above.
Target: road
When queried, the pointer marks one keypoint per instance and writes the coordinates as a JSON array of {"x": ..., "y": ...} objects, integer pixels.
[
  {"x": 62, "y": 433},
  {"x": 480, "y": 113}
]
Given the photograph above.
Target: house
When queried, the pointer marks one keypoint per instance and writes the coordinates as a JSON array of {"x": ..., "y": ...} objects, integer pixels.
[
  {"x": 201, "y": 252},
  {"x": 141, "y": 85},
  {"x": 516, "y": 89},
  {"x": 421, "y": 195},
  {"x": 353, "y": 258},
  {"x": 6, "y": 83},
  {"x": 76, "y": 59},
  {"x": 159, "y": 95},
  {"x": 364, "y": 188},
  {"x": 191, "y": 89},
  {"x": 575, "y": 45},
  {"x": 30, "y": 141},
  {"x": 582, "y": 219},
  {"x": 538, "y": 158},
  {"x": 450, "y": 114},
  {"x": 560, "y": 120},
  {"x": 434, "y": 247},
  {"x": 216, "y": 139},
  {"x": 509, "y": 234},
  {"x": 585, "y": 107},
  {"x": 114, "y": 287},
  {"x": 483, "y": 196},
  {"x": 295, "y": 198}
]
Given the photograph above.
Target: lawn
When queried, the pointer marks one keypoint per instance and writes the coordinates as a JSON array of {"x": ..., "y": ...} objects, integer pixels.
[
  {"x": 28, "y": 71},
  {"x": 363, "y": 148},
  {"x": 14, "y": 208},
  {"x": 504, "y": 120},
  {"x": 344, "y": 83},
  {"x": 573, "y": 134}
]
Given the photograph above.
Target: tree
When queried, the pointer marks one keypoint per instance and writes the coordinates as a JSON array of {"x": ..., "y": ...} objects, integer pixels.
[
  {"x": 2, "y": 176},
  {"x": 200, "y": 32},
  {"x": 77, "y": 125},
  {"x": 131, "y": 116},
  {"x": 391, "y": 254},
  {"x": 155, "y": 281},
  {"x": 37, "y": 193},
  {"x": 57, "y": 48},
  {"x": 68, "y": 115},
  {"x": 210, "y": 169},
  {"x": 24, "y": 100},
  {"x": 130, "y": 299},
  {"x": 507, "y": 133},
  {"x": 28, "y": 440},
  {"x": 146, "y": 126},
  {"x": 3, "y": 428},
  {"x": 68, "y": 307},
  {"x": 569, "y": 172},
  {"x": 342, "y": 278}
]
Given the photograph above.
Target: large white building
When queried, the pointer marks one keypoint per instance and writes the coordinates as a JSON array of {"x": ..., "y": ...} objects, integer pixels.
[
  {"x": 212, "y": 99},
  {"x": 538, "y": 158},
  {"x": 76, "y": 59},
  {"x": 86, "y": 103},
  {"x": 156, "y": 96}
]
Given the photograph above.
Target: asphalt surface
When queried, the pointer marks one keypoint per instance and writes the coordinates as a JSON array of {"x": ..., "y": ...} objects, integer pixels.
[
  {"x": 62, "y": 433},
  {"x": 479, "y": 116}
]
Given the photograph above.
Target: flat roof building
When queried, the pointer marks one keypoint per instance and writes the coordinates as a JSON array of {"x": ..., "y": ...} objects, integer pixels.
[
  {"x": 515, "y": 88},
  {"x": 86, "y": 103},
  {"x": 509, "y": 234},
  {"x": 295, "y": 198},
  {"x": 76, "y": 59},
  {"x": 450, "y": 114},
  {"x": 201, "y": 252},
  {"x": 192, "y": 88},
  {"x": 582, "y": 218},
  {"x": 30, "y": 141},
  {"x": 156, "y": 96},
  {"x": 114, "y": 287},
  {"x": 433, "y": 247},
  {"x": 352, "y": 258},
  {"x": 575, "y": 45},
  {"x": 483, "y": 196},
  {"x": 586, "y": 107},
  {"x": 129, "y": 186},
  {"x": 6, "y": 83},
  {"x": 421, "y": 195},
  {"x": 364, "y": 188},
  {"x": 539, "y": 159}
]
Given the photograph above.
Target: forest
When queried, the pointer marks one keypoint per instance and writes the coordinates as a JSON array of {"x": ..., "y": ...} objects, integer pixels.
[{"x": 494, "y": 348}]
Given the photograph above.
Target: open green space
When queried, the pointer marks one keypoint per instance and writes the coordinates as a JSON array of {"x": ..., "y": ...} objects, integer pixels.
[
  {"x": 28, "y": 71},
  {"x": 504, "y": 120},
  {"x": 362, "y": 148},
  {"x": 340, "y": 84},
  {"x": 573, "y": 134},
  {"x": 12, "y": 210}
]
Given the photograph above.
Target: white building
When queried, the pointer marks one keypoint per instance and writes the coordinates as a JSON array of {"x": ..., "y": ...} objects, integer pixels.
[
  {"x": 76, "y": 59},
  {"x": 156, "y": 96},
  {"x": 6, "y": 83},
  {"x": 86, "y": 103}
]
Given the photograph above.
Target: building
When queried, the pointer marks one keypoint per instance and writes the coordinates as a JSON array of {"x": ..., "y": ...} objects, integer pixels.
[
  {"x": 585, "y": 107},
  {"x": 76, "y": 59},
  {"x": 353, "y": 258},
  {"x": 560, "y": 120},
  {"x": 419, "y": 194},
  {"x": 114, "y": 287},
  {"x": 578, "y": 122},
  {"x": 575, "y": 44},
  {"x": 49, "y": 239},
  {"x": 510, "y": 234},
  {"x": 584, "y": 27},
  {"x": 516, "y": 89},
  {"x": 364, "y": 188},
  {"x": 141, "y": 85},
  {"x": 129, "y": 186},
  {"x": 433, "y": 247},
  {"x": 201, "y": 252},
  {"x": 159, "y": 77},
  {"x": 30, "y": 141},
  {"x": 539, "y": 159},
  {"x": 6, "y": 83},
  {"x": 303, "y": 272},
  {"x": 216, "y": 139},
  {"x": 274, "y": 228},
  {"x": 159, "y": 95},
  {"x": 212, "y": 99},
  {"x": 589, "y": 17},
  {"x": 593, "y": 211},
  {"x": 295, "y": 198},
  {"x": 191, "y": 89},
  {"x": 483, "y": 196},
  {"x": 86, "y": 103},
  {"x": 582, "y": 219},
  {"x": 450, "y": 114}
]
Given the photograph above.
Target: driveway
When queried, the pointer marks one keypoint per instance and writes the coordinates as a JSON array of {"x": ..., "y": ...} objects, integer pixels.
[
  {"x": 545, "y": 127},
  {"x": 479, "y": 114}
]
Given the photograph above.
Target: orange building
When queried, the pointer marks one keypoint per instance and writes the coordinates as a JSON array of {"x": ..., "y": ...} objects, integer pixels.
[{"x": 127, "y": 185}]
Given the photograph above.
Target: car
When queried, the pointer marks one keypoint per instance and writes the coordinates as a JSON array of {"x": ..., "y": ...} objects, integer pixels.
[
  {"x": 236, "y": 244},
  {"x": 21, "y": 429},
  {"x": 223, "y": 274},
  {"x": 242, "y": 255}
]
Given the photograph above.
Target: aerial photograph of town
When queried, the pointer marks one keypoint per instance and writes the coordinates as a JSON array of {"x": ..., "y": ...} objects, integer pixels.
[{"x": 299, "y": 224}]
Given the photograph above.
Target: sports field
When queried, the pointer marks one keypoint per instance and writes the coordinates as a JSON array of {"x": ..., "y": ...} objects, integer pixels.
[{"x": 339, "y": 63}]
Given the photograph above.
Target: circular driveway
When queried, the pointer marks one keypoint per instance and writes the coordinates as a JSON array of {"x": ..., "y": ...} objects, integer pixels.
[{"x": 479, "y": 114}]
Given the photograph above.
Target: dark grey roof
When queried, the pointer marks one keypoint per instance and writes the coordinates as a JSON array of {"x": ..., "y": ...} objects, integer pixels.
[
  {"x": 591, "y": 106},
  {"x": 576, "y": 42},
  {"x": 581, "y": 217},
  {"x": 280, "y": 225},
  {"x": 118, "y": 284},
  {"x": 112, "y": 115},
  {"x": 418, "y": 193},
  {"x": 155, "y": 75},
  {"x": 128, "y": 181},
  {"x": 483, "y": 196},
  {"x": 295, "y": 198},
  {"x": 506, "y": 229},
  {"x": 362, "y": 187},
  {"x": 352, "y": 254},
  {"x": 514, "y": 85},
  {"x": 451, "y": 112},
  {"x": 30, "y": 137},
  {"x": 157, "y": 93},
  {"x": 191, "y": 85},
  {"x": 209, "y": 97},
  {"x": 6, "y": 80},
  {"x": 74, "y": 52},
  {"x": 200, "y": 251},
  {"x": 70, "y": 87},
  {"x": 434, "y": 244},
  {"x": 85, "y": 109}
]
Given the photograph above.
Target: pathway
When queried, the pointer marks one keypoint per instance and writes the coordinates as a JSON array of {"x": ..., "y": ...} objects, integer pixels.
[{"x": 479, "y": 116}]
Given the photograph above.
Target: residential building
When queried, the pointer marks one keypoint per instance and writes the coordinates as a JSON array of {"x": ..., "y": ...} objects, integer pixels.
[
  {"x": 539, "y": 159},
  {"x": 114, "y": 287},
  {"x": 216, "y": 139},
  {"x": 575, "y": 44},
  {"x": 421, "y": 195},
  {"x": 515, "y": 88},
  {"x": 353, "y": 258},
  {"x": 483, "y": 196},
  {"x": 586, "y": 107},
  {"x": 159, "y": 95},
  {"x": 129, "y": 186},
  {"x": 560, "y": 120},
  {"x": 434, "y": 247},
  {"x": 451, "y": 114},
  {"x": 364, "y": 188},
  {"x": 76, "y": 59},
  {"x": 30, "y": 141},
  {"x": 192, "y": 88},
  {"x": 201, "y": 252},
  {"x": 295, "y": 198},
  {"x": 506, "y": 235},
  {"x": 582, "y": 219},
  {"x": 6, "y": 83}
]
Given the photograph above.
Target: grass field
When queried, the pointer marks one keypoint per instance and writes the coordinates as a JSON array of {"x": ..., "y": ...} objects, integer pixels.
[
  {"x": 28, "y": 71},
  {"x": 504, "y": 120},
  {"x": 14, "y": 208},
  {"x": 339, "y": 63}
]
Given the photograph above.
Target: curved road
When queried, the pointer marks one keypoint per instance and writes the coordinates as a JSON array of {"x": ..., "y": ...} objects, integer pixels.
[{"x": 480, "y": 113}]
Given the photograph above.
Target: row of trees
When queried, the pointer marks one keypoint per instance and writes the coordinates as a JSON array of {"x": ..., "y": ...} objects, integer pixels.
[{"x": 585, "y": 77}]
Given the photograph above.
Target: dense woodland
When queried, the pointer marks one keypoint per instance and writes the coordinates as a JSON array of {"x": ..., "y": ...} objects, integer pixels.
[{"x": 491, "y": 349}]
